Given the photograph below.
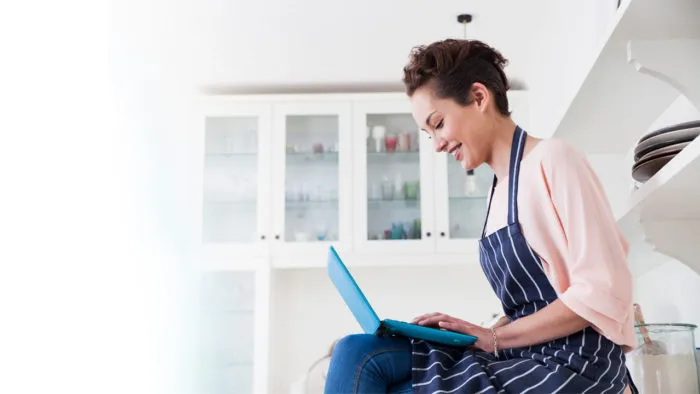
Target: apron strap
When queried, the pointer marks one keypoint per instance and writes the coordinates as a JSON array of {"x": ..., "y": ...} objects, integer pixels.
[
  {"x": 516, "y": 154},
  {"x": 488, "y": 208}
]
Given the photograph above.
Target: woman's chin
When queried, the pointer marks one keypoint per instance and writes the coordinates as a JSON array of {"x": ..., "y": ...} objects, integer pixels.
[{"x": 466, "y": 165}]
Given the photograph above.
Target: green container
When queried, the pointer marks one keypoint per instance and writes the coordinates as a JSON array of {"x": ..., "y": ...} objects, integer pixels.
[{"x": 412, "y": 190}]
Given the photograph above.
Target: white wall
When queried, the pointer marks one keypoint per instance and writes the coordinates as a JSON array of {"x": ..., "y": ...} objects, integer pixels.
[
  {"x": 308, "y": 313},
  {"x": 277, "y": 42},
  {"x": 557, "y": 66},
  {"x": 670, "y": 294},
  {"x": 616, "y": 176},
  {"x": 682, "y": 110}
]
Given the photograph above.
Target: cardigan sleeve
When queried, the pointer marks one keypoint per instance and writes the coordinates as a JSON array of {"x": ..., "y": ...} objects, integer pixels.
[{"x": 595, "y": 251}]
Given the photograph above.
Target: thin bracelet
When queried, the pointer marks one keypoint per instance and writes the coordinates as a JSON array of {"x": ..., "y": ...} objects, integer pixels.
[{"x": 495, "y": 342}]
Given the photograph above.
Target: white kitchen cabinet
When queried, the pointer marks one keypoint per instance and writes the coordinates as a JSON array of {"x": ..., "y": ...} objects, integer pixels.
[{"x": 285, "y": 177}]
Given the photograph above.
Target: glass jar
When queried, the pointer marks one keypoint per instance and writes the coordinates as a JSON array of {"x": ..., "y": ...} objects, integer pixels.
[{"x": 670, "y": 369}]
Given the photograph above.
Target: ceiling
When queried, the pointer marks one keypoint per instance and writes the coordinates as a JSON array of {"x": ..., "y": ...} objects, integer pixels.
[{"x": 312, "y": 44}]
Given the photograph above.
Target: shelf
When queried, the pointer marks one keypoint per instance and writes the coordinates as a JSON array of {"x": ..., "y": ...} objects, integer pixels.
[
  {"x": 613, "y": 105},
  {"x": 393, "y": 204},
  {"x": 309, "y": 158},
  {"x": 393, "y": 157},
  {"x": 240, "y": 155},
  {"x": 310, "y": 204},
  {"x": 662, "y": 220}
]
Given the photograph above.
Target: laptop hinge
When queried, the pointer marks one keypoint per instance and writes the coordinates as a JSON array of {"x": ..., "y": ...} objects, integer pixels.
[{"x": 382, "y": 330}]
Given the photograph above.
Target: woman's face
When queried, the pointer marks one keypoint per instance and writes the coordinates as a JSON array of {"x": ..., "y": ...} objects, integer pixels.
[{"x": 462, "y": 131}]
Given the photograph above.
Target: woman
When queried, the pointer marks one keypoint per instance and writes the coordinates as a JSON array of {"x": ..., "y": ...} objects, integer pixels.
[{"x": 550, "y": 249}]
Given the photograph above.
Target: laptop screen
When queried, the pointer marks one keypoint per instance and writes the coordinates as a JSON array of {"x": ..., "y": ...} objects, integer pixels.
[{"x": 351, "y": 293}]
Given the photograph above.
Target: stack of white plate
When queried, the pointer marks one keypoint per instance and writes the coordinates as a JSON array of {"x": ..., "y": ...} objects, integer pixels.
[{"x": 659, "y": 147}]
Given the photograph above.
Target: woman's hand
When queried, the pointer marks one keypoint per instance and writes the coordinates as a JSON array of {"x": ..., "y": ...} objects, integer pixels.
[
  {"x": 446, "y": 322},
  {"x": 554, "y": 321}
]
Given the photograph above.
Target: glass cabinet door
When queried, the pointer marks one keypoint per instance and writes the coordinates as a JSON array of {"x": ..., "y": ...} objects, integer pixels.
[
  {"x": 313, "y": 175},
  {"x": 227, "y": 332},
  {"x": 235, "y": 211},
  {"x": 464, "y": 211},
  {"x": 468, "y": 191},
  {"x": 393, "y": 179}
]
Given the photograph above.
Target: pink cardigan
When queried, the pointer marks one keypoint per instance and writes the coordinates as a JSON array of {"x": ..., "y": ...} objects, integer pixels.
[{"x": 566, "y": 218}]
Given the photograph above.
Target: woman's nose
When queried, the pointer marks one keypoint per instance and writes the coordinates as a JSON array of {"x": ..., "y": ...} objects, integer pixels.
[{"x": 439, "y": 144}]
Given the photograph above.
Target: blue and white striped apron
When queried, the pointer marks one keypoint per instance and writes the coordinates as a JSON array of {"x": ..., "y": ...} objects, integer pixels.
[{"x": 584, "y": 362}]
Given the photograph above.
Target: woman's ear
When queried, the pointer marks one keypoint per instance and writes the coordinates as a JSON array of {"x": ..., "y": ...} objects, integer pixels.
[{"x": 480, "y": 96}]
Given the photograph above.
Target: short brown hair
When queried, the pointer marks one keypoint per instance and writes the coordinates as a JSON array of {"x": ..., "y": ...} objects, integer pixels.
[{"x": 452, "y": 66}]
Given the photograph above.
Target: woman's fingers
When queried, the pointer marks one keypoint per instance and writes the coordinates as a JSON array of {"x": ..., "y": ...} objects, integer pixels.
[
  {"x": 452, "y": 326},
  {"x": 433, "y": 320},
  {"x": 425, "y": 316},
  {"x": 441, "y": 320}
]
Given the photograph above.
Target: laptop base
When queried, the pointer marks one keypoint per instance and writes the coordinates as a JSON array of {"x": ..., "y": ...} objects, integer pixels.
[{"x": 443, "y": 337}]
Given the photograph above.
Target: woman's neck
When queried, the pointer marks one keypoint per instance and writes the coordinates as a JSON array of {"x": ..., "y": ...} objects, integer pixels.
[{"x": 499, "y": 157}]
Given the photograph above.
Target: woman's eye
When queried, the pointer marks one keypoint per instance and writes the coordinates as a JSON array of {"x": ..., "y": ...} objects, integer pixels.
[{"x": 439, "y": 125}]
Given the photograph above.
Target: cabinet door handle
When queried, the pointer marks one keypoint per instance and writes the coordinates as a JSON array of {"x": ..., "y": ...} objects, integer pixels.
[
  {"x": 427, "y": 234},
  {"x": 262, "y": 237},
  {"x": 277, "y": 236},
  {"x": 442, "y": 233}
]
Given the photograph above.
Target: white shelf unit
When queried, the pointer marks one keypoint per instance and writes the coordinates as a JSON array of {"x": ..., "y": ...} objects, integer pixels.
[
  {"x": 650, "y": 57},
  {"x": 279, "y": 229},
  {"x": 663, "y": 216}
]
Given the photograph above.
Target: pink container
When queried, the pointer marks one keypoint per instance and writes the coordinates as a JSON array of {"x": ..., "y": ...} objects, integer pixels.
[{"x": 390, "y": 143}]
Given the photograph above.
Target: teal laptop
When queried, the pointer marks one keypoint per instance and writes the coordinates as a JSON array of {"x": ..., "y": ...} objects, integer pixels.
[{"x": 368, "y": 319}]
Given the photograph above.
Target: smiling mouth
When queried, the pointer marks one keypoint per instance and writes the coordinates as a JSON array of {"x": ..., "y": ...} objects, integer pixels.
[{"x": 456, "y": 152}]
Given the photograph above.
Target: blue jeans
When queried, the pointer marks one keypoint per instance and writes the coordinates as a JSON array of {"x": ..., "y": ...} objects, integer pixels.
[{"x": 365, "y": 363}]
